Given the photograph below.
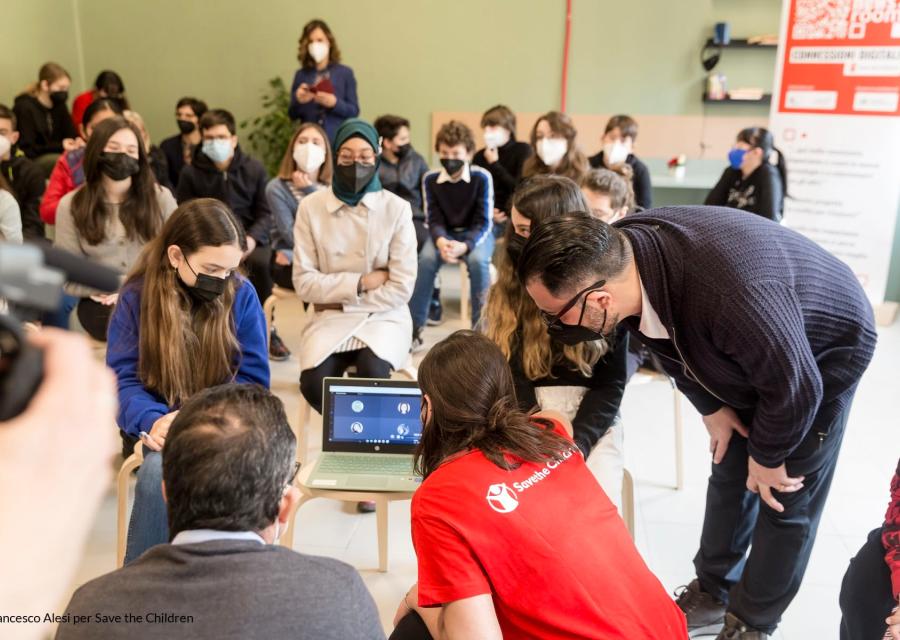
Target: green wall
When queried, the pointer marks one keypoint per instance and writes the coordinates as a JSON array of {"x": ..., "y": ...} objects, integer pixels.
[
  {"x": 410, "y": 56},
  {"x": 37, "y": 31}
]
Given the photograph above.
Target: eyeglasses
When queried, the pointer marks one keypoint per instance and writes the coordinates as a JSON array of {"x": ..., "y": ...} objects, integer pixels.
[
  {"x": 347, "y": 157},
  {"x": 293, "y": 475},
  {"x": 553, "y": 319}
]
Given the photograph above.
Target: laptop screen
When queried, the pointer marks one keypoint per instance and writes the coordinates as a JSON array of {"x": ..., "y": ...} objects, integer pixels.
[{"x": 368, "y": 415}]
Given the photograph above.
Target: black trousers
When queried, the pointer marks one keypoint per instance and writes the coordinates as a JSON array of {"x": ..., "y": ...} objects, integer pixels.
[
  {"x": 759, "y": 586},
  {"x": 94, "y": 317},
  {"x": 411, "y": 627},
  {"x": 866, "y": 598},
  {"x": 258, "y": 272},
  {"x": 282, "y": 275},
  {"x": 422, "y": 234},
  {"x": 368, "y": 365}
]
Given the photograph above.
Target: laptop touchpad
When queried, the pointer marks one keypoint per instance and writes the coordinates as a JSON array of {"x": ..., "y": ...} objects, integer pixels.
[{"x": 371, "y": 482}]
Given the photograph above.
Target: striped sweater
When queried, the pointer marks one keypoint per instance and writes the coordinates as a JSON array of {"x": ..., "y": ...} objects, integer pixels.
[{"x": 760, "y": 318}]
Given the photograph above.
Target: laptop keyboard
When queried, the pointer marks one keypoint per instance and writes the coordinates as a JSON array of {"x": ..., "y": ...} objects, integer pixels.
[{"x": 374, "y": 465}]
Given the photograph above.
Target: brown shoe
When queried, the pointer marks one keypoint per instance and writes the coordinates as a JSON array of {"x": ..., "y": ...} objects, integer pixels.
[
  {"x": 365, "y": 507},
  {"x": 705, "y": 614},
  {"x": 736, "y": 629}
]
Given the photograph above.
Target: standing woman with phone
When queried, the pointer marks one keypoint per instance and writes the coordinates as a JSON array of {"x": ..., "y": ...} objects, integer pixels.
[
  {"x": 323, "y": 91},
  {"x": 186, "y": 320}
]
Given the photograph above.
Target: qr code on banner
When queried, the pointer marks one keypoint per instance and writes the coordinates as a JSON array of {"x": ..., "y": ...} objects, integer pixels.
[{"x": 821, "y": 19}]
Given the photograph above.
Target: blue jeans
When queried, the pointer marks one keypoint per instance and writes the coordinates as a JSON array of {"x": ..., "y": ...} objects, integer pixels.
[
  {"x": 478, "y": 261},
  {"x": 149, "y": 525},
  {"x": 60, "y": 317}
]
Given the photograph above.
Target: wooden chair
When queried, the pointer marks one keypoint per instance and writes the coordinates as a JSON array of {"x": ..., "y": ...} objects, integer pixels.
[
  {"x": 645, "y": 376},
  {"x": 279, "y": 294},
  {"x": 131, "y": 463}
]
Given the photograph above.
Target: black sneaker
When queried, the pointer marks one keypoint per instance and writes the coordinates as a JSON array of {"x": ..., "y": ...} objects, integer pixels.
[
  {"x": 435, "y": 313},
  {"x": 705, "y": 614},
  {"x": 277, "y": 350},
  {"x": 736, "y": 629}
]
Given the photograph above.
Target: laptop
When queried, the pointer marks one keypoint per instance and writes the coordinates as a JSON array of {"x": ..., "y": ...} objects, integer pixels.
[{"x": 370, "y": 428}]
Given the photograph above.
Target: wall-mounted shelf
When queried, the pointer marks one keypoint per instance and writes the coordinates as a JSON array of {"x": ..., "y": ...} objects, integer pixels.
[
  {"x": 765, "y": 99},
  {"x": 740, "y": 43}
]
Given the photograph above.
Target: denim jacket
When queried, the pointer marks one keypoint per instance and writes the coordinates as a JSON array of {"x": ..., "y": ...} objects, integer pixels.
[{"x": 283, "y": 206}]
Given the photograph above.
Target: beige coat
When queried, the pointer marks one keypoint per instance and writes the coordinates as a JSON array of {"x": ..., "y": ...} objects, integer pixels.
[{"x": 336, "y": 244}]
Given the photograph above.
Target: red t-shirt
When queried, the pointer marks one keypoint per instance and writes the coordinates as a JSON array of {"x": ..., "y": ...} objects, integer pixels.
[{"x": 546, "y": 543}]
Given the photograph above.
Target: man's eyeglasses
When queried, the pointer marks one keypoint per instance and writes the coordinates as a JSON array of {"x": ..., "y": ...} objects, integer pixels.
[
  {"x": 293, "y": 475},
  {"x": 553, "y": 319}
]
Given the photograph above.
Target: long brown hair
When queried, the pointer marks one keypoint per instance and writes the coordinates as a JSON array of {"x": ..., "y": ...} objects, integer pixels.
[
  {"x": 473, "y": 406},
  {"x": 306, "y": 60},
  {"x": 288, "y": 166},
  {"x": 511, "y": 319},
  {"x": 573, "y": 165},
  {"x": 140, "y": 213},
  {"x": 51, "y": 72},
  {"x": 186, "y": 347}
]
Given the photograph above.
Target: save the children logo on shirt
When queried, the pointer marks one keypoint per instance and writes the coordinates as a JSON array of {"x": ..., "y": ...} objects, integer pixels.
[{"x": 501, "y": 498}]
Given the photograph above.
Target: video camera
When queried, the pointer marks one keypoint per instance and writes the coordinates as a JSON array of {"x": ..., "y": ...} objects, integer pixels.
[{"x": 31, "y": 281}]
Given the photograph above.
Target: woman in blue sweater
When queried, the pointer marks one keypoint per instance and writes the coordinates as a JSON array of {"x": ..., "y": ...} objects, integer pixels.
[
  {"x": 185, "y": 321},
  {"x": 323, "y": 91}
]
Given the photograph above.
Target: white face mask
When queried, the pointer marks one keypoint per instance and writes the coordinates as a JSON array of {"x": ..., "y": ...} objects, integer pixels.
[
  {"x": 552, "y": 150},
  {"x": 5, "y": 146},
  {"x": 614, "y": 153},
  {"x": 308, "y": 156},
  {"x": 318, "y": 50},
  {"x": 495, "y": 137},
  {"x": 277, "y": 532}
]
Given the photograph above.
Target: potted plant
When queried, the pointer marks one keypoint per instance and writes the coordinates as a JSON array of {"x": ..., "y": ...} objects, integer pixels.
[{"x": 271, "y": 130}]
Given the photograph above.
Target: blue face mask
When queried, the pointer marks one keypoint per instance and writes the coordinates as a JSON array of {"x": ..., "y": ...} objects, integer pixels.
[
  {"x": 736, "y": 157},
  {"x": 217, "y": 150}
]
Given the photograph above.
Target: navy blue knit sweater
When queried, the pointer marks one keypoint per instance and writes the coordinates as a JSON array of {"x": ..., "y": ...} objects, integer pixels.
[{"x": 759, "y": 316}]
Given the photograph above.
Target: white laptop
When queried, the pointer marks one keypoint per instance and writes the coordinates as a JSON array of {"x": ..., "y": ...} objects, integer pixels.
[{"x": 369, "y": 430}]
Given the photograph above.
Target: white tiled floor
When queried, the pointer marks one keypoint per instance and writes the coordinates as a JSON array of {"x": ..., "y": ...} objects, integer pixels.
[{"x": 668, "y": 522}]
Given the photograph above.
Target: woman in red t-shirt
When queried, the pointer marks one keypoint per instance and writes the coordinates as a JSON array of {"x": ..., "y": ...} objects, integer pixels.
[{"x": 514, "y": 536}]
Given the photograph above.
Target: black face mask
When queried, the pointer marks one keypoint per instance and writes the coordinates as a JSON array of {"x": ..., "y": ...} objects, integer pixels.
[
  {"x": 186, "y": 126},
  {"x": 207, "y": 288},
  {"x": 59, "y": 97},
  {"x": 118, "y": 166},
  {"x": 452, "y": 165},
  {"x": 514, "y": 245},
  {"x": 572, "y": 334},
  {"x": 402, "y": 151},
  {"x": 354, "y": 177}
]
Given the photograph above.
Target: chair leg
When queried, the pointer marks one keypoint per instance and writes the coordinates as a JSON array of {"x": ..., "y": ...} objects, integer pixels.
[
  {"x": 628, "y": 501},
  {"x": 269, "y": 313},
  {"x": 122, "y": 488},
  {"x": 287, "y": 538},
  {"x": 130, "y": 464},
  {"x": 463, "y": 293},
  {"x": 302, "y": 433},
  {"x": 381, "y": 516},
  {"x": 679, "y": 441}
]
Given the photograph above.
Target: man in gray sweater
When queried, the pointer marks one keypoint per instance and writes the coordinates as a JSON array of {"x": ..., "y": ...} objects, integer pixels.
[{"x": 228, "y": 469}]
